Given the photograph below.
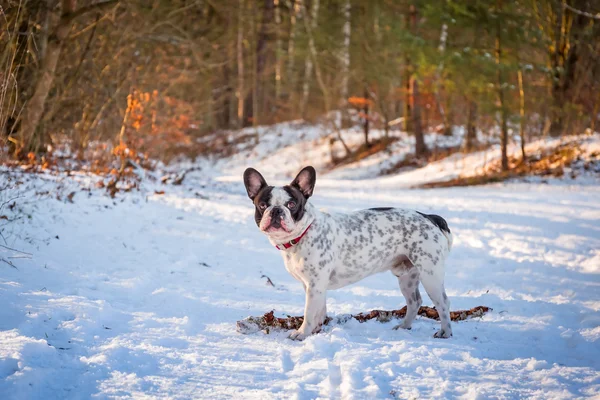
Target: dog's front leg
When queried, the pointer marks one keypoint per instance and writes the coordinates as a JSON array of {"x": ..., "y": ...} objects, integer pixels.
[{"x": 314, "y": 312}]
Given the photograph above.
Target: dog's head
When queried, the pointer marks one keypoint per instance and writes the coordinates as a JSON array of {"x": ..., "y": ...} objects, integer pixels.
[{"x": 280, "y": 210}]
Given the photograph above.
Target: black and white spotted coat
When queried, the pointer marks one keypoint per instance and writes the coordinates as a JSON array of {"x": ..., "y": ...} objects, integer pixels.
[{"x": 340, "y": 249}]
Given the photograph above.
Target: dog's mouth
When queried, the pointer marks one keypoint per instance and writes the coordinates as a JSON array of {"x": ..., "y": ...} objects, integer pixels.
[
  {"x": 271, "y": 229},
  {"x": 276, "y": 226}
]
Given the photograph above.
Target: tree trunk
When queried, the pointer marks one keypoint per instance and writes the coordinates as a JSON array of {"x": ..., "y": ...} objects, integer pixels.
[
  {"x": 261, "y": 101},
  {"x": 345, "y": 63},
  {"x": 11, "y": 94},
  {"x": 564, "y": 54},
  {"x": 366, "y": 112},
  {"x": 225, "y": 99},
  {"x": 250, "y": 101},
  {"x": 471, "y": 138},
  {"x": 420, "y": 147},
  {"x": 254, "y": 94},
  {"x": 326, "y": 96},
  {"x": 438, "y": 78},
  {"x": 411, "y": 24},
  {"x": 263, "y": 53},
  {"x": 278, "y": 50},
  {"x": 28, "y": 141},
  {"x": 595, "y": 111},
  {"x": 222, "y": 94},
  {"x": 407, "y": 114},
  {"x": 412, "y": 117},
  {"x": 240, "y": 65},
  {"x": 32, "y": 114},
  {"x": 521, "y": 113},
  {"x": 500, "y": 92},
  {"x": 295, "y": 13},
  {"x": 232, "y": 121},
  {"x": 308, "y": 66}
]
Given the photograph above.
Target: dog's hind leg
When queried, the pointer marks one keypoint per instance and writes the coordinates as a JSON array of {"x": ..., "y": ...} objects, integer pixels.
[
  {"x": 434, "y": 286},
  {"x": 408, "y": 278},
  {"x": 409, "y": 285}
]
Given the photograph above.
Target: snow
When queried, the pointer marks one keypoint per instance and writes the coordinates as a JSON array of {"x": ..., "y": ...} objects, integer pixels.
[
  {"x": 285, "y": 148},
  {"x": 138, "y": 297}
]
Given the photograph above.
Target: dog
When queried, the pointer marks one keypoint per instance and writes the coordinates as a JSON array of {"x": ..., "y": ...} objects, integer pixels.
[{"x": 329, "y": 251}]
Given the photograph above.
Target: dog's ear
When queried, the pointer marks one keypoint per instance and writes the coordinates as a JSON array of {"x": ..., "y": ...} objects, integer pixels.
[
  {"x": 305, "y": 181},
  {"x": 254, "y": 182}
]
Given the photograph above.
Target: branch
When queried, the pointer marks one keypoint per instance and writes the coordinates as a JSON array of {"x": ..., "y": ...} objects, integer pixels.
[
  {"x": 9, "y": 263},
  {"x": 18, "y": 251},
  {"x": 584, "y": 13},
  {"x": 269, "y": 322},
  {"x": 9, "y": 200},
  {"x": 96, "y": 7}
]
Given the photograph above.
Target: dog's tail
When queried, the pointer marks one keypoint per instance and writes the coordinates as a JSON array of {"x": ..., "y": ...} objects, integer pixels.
[
  {"x": 442, "y": 225},
  {"x": 450, "y": 238}
]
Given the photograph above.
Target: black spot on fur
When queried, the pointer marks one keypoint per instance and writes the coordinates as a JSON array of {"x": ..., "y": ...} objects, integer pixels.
[
  {"x": 437, "y": 221},
  {"x": 264, "y": 196},
  {"x": 299, "y": 199}
]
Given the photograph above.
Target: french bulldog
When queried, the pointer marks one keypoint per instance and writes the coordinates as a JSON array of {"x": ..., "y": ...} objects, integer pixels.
[{"x": 329, "y": 251}]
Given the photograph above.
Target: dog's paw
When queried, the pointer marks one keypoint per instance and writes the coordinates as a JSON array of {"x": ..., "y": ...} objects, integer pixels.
[
  {"x": 403, "y": 326},
  {"x": 442, "y": 334},
  {"x": 297, "y": 335}
]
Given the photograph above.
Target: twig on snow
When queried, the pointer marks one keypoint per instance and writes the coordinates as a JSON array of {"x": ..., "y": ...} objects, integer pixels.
[
  {"x": 269, "y": 321},
  {"x": 9, "y": 263},
  {"x": 269, "y": 281},
  {"x": 9, "y": 200},
  {"x": 18, "y": 251}
]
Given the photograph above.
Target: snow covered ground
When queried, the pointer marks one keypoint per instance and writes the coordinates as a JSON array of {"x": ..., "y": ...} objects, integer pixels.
[{"x": 138, "y": 297}]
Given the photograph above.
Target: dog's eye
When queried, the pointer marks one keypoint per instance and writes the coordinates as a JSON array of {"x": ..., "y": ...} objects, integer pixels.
[
  {"x": 291, "y": 205},
  {"x": 262, "y": 205}
]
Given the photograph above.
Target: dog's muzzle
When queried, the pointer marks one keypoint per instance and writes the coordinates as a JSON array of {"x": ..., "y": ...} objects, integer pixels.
[{"x": 276, "y": 217}]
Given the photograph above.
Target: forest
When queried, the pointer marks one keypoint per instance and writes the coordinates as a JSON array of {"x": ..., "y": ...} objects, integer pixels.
[
  {"x": 299, "y": 199},
  {"x": 153, "y": 77}
]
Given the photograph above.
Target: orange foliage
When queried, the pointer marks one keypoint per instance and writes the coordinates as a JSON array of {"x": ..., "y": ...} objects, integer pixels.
[
  {"x": 155, "y": 124},
  {"x": 360, "y": 102}
]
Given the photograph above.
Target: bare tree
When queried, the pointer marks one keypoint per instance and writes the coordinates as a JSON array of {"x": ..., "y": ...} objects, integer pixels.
[
  {"x": 322, "y": 85},
  {"x": 420, "y": 147},
  {"x": 308, "y": 65},
  {"x": 438, "y": 78},
  {"x": 500, "y": 82},
  {"x": 240, "y": 65},
  {"x": 345, "y": 59},
  {"x": 471, "y": 136},
  {"x": 278, "y": 50},
  {"x": 295, "y": 7},
  {"x": 521, "y": 112},
  {"x": 412, "y": 115},
  {"x": 36, "y": 104}
]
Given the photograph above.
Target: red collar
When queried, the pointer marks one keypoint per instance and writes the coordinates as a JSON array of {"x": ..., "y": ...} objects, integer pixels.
[{"x": 293, "y": 242}]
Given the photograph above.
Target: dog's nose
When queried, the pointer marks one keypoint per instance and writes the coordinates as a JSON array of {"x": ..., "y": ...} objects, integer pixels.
[{"x": 277, "y": 212}]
